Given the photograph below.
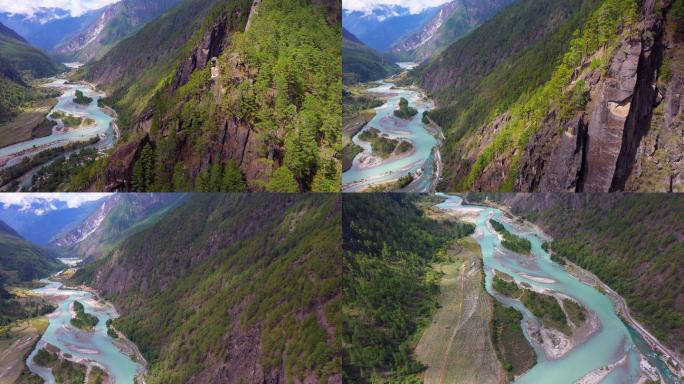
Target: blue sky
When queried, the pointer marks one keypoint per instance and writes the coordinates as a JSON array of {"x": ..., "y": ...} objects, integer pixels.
[
  {"x": 368, "y": 5},
  {"x": 75, "y": 7}
]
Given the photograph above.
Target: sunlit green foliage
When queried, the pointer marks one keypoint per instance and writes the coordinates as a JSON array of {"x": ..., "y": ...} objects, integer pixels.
[
  {"x": 59, "y": 175},
  {"x": 292, "y": 54}
]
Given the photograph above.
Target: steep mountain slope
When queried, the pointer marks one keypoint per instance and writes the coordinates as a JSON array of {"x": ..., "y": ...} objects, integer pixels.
[
  {"x": 361, "y": 63},
  {"x": 453, "y": 21},
  {"x": 633, "y": 242},
  {"x": 119, "y": 217},
  {"x": 389, "y": 288},
  {"x": 19, "y": 62},
  {"x": 48, "y": 27},
  {"x": 21, "y": 260},
  {"x": 232, "y": 288},
  {"x": 117, "y": 22},
  {"x": 385, "y": 25},
  {"x": 269, "y": 112},
  {"x": 24, "y": 57},
  {"x": 577, "y": 107}
]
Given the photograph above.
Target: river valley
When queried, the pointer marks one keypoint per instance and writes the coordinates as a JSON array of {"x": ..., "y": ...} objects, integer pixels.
[
  {"x": 610, "y": 352},
  {"x": 423, "y": 161},
  {"x": 92, "y": 348},
  {"x": 102, "y": 125}
]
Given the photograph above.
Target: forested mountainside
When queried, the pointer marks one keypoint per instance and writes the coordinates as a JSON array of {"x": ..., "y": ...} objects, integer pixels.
[
  {"x": 268, "y": 116},
  {"x": 633, "y": 242},
  {"x": 361, "y": 63},
  {"x": 21, "y": 260},
  {"x": 454, "y": 20},
  {"x": 23, "y": 57},
  {"x": 118, "y": 21},
  {"x": 119, "y": 217},
  {"x": 231, "y": 288},
  {"x": 19, "y": 63},
  {"x": 388, "y": 288},
  {"x": 581, "y": 96}
]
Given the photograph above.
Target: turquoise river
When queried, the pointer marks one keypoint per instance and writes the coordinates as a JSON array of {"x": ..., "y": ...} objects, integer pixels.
[
  {"x": 89, "y": 347},
  {"x": 613, "y": 354},
  {"x": 423, "y": 162},
  {"x": 104, "y": 125}
]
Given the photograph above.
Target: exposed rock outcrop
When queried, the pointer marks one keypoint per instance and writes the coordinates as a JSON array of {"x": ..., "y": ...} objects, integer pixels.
[
  {"x": 120, "y": 166},
  {"x": 211, "y": 45},
  {"x": 613, "y": 140},
  {"x": 553, "y": 160}
]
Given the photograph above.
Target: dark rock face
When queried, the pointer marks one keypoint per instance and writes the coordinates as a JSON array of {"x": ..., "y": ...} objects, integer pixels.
[
  {"x": 238, "y": 142},
  {"x": 643, "y": 101},
  {"x": 120, "y": 166},
  {"x": 552, "y": 161},
  {"x": 212, "y": 45},
  {"x": 606, "y": 126}
]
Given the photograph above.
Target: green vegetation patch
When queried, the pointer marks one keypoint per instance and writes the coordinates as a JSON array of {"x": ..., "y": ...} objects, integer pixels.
[
  {"x": 69, "y": 120},
  {"x": 382, "y": 146},
  {"x": 512, "y": 242},
  {"x": 512, "y": 348},
  {"x": 97, "y": 376},
  {"x": 83, "y": 320},
  {"x": 349, "y": 153},
  {"x": 82, "y": 99},
  {"x": 576, "y": 313},
  {"x": 506, "y": 287},
  {"x": 64, "y": 371},
  {"x": 404, "y": 111},
  {"x": 546, "y": 308}
]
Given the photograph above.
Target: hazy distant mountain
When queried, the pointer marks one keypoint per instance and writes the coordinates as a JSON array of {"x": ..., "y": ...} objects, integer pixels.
[
  {"x": 23, "y": 56},
  {"x": 49, "y": 27},
  {"x": 454, "y": 20},
  {"x": 51, "y": 216},
  {"x": 21, "y": 260},
  {"x": 117, "y": 22},
  {"x": 361, "y": 63},
  {"x": 385, "y": 25},
  {"x": 118, "y": 217}
]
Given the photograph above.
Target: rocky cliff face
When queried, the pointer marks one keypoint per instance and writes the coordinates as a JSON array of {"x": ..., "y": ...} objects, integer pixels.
[
  {"x": 625, "y": 138},
  {"x": 234, "y": 139},
  {"x": 88, "y": 226}
]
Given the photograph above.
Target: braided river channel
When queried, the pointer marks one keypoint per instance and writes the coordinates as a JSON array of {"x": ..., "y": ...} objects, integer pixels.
[{"x": 615, "y": 353}]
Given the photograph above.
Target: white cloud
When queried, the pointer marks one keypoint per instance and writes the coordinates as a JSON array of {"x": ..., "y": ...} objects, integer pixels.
[
  {"x": 75, "y": 7},
  {"x": 415, "y": 6},
  {"x": 47, "y": 200}
]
